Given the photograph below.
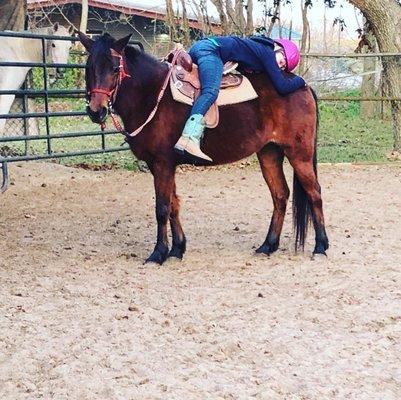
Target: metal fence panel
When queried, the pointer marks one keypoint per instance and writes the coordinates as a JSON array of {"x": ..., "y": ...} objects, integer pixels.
[{"x": 41, "y": 127}]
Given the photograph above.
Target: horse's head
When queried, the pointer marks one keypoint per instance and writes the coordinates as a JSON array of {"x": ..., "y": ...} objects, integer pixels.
[
  {"x": 105, "y": 69},
  {"x": 59, "y": 50}
]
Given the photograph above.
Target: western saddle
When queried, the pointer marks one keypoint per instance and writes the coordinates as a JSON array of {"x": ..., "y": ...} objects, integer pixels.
[{"x": 185, "y": 75}]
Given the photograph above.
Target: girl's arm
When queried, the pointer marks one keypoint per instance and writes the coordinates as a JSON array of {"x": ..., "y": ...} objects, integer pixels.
[{"x": 283, "y": 84}]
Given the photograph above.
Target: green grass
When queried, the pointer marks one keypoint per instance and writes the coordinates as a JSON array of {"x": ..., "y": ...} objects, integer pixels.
[{"x": 345, "y": 136}]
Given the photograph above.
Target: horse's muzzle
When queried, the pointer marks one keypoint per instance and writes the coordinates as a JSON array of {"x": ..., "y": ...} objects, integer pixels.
[{"x": 98, "y": 117}]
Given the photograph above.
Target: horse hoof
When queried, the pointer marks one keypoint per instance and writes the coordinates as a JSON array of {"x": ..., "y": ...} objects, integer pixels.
[
  {"x": 319, "y": 256},
  {"x": 263, "y": 250},
  {"x": 156, "y": 258},
  {"x": 266, "y": 249},
  {"x": 176, "y": 253},
  {"x": 321, "y": 249}
]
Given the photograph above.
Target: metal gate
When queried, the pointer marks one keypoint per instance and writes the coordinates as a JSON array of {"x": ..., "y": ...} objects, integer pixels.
[{"x": 53, "y": 141}]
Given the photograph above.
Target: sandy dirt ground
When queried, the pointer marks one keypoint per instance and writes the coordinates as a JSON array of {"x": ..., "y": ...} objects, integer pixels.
[{"x": 81, "y": 317}]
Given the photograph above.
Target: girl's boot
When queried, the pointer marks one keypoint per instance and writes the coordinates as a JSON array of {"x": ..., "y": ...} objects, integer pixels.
[{"x": 189, "y": 141}]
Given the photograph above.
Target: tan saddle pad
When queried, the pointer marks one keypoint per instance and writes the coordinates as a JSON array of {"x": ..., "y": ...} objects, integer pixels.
[{"x": 185, "y": 88}]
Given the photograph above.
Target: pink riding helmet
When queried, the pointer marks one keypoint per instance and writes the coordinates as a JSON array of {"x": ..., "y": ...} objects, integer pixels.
[{"x": 291, "y": 53}]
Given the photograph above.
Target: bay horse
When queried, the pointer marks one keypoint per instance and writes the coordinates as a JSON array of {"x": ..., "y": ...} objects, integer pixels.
[{"x": 272, "y": 126}]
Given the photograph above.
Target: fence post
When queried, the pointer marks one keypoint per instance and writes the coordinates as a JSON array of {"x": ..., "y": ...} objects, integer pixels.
[
  {"x": 25, "y": 110},
  {"x": 46, "y": 97},
  {"x": 4, "y": 169}
]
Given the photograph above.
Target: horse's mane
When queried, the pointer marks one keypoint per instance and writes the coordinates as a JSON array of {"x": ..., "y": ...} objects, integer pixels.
[{"x": 132, "y": 53}]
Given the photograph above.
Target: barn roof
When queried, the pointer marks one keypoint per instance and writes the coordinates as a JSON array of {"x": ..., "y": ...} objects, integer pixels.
[
  {"x": 124, "y": 6},
  {"x": 153, "y": 11}
]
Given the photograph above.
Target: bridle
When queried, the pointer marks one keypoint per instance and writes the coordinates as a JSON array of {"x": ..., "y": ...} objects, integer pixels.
[
  {"x": 122, "y": 74},
  {"x": 112, "y": 93}
]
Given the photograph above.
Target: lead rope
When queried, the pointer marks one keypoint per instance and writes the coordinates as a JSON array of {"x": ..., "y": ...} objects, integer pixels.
[
  {"x": 117, "y": 124},
  {"x": 153, "y": 112}
]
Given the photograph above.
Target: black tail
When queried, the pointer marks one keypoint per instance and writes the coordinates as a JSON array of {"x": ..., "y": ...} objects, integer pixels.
[{"x": 301, "y": 212}]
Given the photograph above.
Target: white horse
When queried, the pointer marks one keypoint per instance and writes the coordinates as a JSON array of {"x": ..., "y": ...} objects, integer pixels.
[{"x": 15, "y": 49}]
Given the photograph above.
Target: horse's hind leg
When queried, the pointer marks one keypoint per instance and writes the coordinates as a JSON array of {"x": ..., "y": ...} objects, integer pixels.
[
  {"x": 307, "y": 176},
  {"x": 179, "y": 241},
  {"x": 271, "y": 163}
]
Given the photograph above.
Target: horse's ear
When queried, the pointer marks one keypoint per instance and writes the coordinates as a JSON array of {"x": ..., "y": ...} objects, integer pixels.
[
  {"x": 120, "y": 44},
  {"x": 86, "y": 41},
  {"x": 71, "y": 30},
  {"x": 55, "y": 27}
]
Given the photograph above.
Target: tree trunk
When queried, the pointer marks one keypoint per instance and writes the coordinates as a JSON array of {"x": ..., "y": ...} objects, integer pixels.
[
  {"x": 239, "y": 17},
  {"x": 279, "y": 22},
  {"x": 12, "y": 15},
  {"x": 170, "y": 20},
  {"x": 201, "y": 12},
  {"x": 222, "y": 15},
  {"x": 305, "y": 37},
  {"x": 84, "y": 16},
  {"x": 185, "y": 25},
  {"x": 230, "y": 15},
  {"x": 385, "y": 19},
  {"x": 273, "y": 19},
  {"x": 264, "y": 13},
  {"x": 249, "y": 18},
  {"x": 368, "y": 88}
]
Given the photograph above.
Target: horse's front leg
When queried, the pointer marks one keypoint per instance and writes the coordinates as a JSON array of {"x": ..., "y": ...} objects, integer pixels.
[
  {"x": 179, "y": 242},
  {"x": 163, "y": 174}
]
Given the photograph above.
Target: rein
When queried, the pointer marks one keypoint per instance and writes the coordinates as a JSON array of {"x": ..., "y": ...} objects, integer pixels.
[{"x": 112, "y": 94}]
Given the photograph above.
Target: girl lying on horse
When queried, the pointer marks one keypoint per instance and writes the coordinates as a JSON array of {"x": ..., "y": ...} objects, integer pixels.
[
  {"x": 257, "y": 53},
  {"x": 272, "y": 126}
]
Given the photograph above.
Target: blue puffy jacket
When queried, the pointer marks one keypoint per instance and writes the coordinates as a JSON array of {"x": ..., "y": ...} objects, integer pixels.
[{"x": 256, "y": 53}]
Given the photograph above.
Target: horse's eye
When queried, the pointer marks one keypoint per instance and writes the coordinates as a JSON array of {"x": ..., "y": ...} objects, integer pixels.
[
  {"x": 116, "y": 70},
  {"x": 53, "y": 45}
]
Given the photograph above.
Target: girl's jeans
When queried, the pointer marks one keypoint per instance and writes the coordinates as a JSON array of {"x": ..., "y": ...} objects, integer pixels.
[{"x": 205, "y": 53}]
